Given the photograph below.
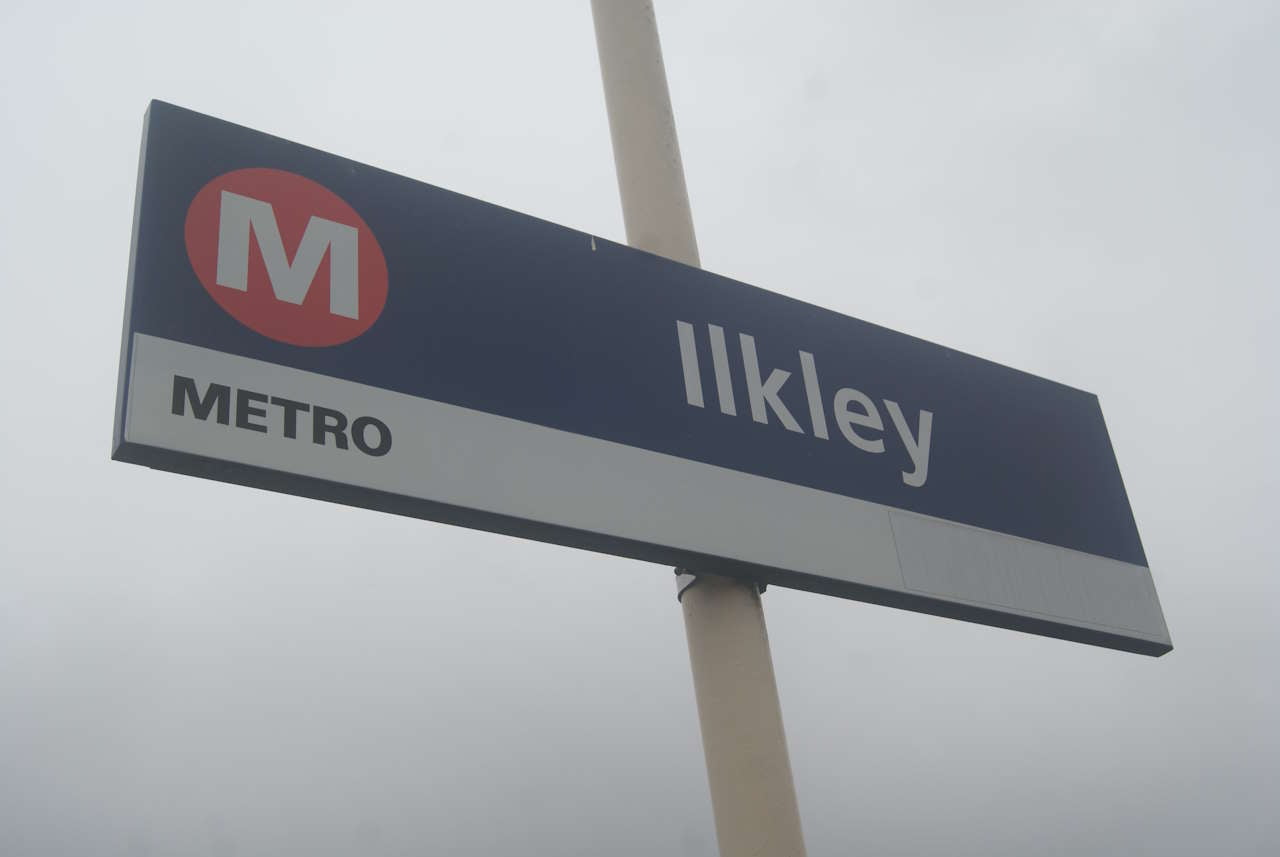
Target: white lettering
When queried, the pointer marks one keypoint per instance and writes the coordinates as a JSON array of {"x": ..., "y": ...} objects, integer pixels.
[
  {"x": 809, "y": 371},
  {"x": 762, "y": 394},
  {"x": 918, "y": 449},
  {"x": 868, "y": 417},
  {"x": 290, "y": 282},
  {"x": 689, "y": 363},
  {"x": 856, "y": 414},
  {"x": 720, "y": 360}
]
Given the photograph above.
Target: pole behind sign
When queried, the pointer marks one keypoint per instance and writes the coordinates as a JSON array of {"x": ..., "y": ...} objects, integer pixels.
[{"x": 752, "y": 792}]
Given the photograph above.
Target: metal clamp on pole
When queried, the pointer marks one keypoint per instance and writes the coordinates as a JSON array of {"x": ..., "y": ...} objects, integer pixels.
[{"x": 686, "y": 578}]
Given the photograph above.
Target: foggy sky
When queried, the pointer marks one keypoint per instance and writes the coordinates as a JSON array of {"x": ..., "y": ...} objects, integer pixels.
[{"x": 1086, "y": 191}]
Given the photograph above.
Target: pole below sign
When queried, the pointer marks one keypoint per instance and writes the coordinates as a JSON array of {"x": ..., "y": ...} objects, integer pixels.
[{"x": 752, "y": 791}]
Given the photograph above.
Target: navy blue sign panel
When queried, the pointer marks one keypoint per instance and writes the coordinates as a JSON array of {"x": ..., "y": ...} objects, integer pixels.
[{"x": 300, "y": 322}]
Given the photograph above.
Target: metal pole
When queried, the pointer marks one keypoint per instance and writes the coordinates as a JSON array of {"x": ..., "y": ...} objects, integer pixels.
[{"x": 752, "y": 792}]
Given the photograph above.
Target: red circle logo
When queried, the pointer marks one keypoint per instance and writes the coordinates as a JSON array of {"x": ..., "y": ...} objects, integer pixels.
[{"x": 286, "y": 257}]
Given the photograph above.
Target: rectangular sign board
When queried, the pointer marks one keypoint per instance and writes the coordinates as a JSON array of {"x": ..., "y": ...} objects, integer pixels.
[{"x": 303, "y": 323}]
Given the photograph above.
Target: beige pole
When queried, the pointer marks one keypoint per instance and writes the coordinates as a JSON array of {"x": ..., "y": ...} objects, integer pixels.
[{"x": 752, "y": 793}]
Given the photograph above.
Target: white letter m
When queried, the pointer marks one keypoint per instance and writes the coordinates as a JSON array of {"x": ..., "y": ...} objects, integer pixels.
[{"x": 289, "y": 282}]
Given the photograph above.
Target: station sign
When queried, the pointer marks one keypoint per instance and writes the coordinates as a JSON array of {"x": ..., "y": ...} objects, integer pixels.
[{"x": 303, "y": 323}]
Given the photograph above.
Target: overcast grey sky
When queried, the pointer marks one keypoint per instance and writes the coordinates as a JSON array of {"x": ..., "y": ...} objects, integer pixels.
[{"x": 1088, "y": 191}]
